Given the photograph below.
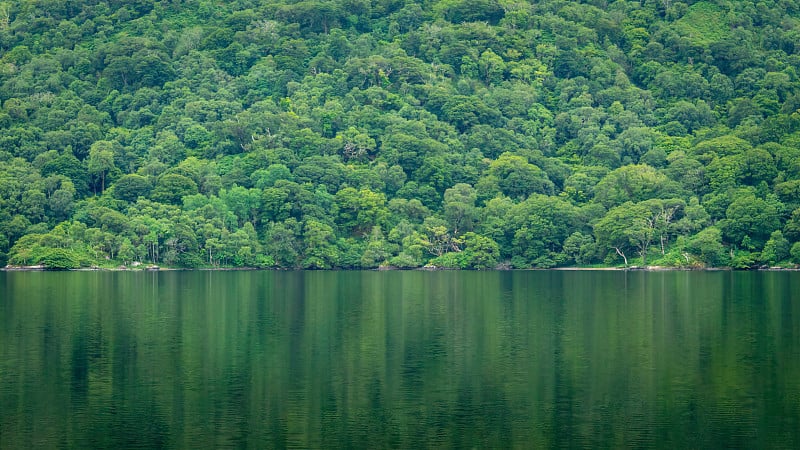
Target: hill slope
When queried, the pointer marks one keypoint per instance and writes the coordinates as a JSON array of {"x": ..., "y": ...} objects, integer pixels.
[{"x": 349, "y": 133}]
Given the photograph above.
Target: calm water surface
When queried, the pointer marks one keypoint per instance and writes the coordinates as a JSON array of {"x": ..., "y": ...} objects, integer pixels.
[{"x": 400, "y": 360}]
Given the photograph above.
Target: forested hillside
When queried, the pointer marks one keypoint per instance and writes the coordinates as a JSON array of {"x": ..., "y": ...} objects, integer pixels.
[{"x": 358, "y": 133}]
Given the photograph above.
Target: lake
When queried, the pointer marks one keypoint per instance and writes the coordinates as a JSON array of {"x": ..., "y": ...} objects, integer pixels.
[{"x": 525, "y": 359}]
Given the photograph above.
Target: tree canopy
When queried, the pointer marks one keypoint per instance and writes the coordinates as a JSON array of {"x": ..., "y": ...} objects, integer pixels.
[{"x": 345, "y": 134}]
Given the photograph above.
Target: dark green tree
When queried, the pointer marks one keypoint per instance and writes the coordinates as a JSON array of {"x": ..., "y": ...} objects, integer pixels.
[{"x": 171, "y": 188}]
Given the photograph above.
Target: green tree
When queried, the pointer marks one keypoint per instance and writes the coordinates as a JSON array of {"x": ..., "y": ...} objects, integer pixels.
[
  {"x": 634, "y": 183},
  {"x": 360, "y": 210},
  {"x": 480, "y": 252},
  {"x": 459, "y": 207},
  {"x": 356, "y": 145},
  {"x": 126, "y": 252},
  {"x": 459, "y": 11},
  {"x": 707, "y": 247},
  {"x": 172, "y": 187},
  {"x": 68, "y": 165},
  {"x": 414, "y": 247},
  {"x": 792, "y": 227},
  {"x": 538, "y": 226},
  {"x": 750, "y": 217},
  {"x": 491, "y": 67},
  {"x": 795, "y": 252},
  {"x": 438, "y": 239},
  {"x": 59, "y": 259},
  {"x": 776, "y": 249},
  {"x": 377, "y": 251},
  {"x": 320, "y": 247},
  {"x": 101, "y": 161},
  {"x": 265, "y": 178},
  {"x": 130, "y": 187},
  {"x": 244, "y": 203},
  {"x": 578, "y": 248},
  {"x": 515, "y": 177},
  {"x": 634, "y": 226},
  {"x": 276, "y": 203}
]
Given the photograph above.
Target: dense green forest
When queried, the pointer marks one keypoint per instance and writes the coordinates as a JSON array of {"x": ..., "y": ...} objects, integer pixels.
[{"x": 367, "y": 133}]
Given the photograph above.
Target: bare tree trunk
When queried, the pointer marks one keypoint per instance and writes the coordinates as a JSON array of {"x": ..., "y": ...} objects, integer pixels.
[{"x": 619, "y": 252}]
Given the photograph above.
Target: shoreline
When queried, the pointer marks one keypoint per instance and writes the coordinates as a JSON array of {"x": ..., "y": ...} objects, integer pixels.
[{"x": 40, "y": 268}]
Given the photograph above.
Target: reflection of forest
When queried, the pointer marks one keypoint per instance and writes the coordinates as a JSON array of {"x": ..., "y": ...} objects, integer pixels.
[{"x": 401, "y": 359}]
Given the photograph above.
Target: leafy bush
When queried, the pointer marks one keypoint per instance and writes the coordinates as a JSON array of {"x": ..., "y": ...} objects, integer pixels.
[
  {"x": 795, "y": 252},
  {"x": 742, "y": 259},
  {"x": 59, "y": 259},
  {"x": 707, "y": 247}
]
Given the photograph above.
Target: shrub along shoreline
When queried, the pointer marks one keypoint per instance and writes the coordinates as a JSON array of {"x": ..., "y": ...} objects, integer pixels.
[{"x": 143, "y": 268}]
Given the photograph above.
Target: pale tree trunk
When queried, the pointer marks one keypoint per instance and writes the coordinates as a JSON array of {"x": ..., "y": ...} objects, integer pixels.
[{"x": 619, "y": 252}]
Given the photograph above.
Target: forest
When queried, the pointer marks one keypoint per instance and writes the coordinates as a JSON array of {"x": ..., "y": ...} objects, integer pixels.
[{"x": 471, "y": 134}]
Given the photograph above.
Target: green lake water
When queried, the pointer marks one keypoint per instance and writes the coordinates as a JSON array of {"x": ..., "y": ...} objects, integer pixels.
[{"x": 533, "y": 359}]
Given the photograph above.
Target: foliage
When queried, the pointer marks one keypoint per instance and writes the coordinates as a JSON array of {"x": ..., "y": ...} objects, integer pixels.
[
  {"x": 707, "y": 247},
  {"x": 795, "y": 252},
  {"x": 776, "y": 249},
  {"x": 466, "y": 133},
  {"x": 703, "y": 23},
  {"x": 59, "y": 259}
]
